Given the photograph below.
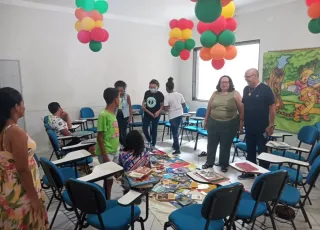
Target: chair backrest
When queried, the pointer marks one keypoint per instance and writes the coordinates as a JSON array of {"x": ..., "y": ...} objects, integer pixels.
[
  {"x": 314, "y": 153},
  {"x": 90, "y": 200},
  {"x": 314, "y": 172},
  {"x": 186, "y": 109},
  {"x": 201, "y": 112},
  {"x": 138, "y": 107},
  {"x": 86, "y": 112},
  {"x": 269, "y": 186},
  {"x": 46, "y": 120},
  {"x": 54, "y": 140},
  {"x": 54, "y": 175},
  {"x": 222, "y": 202},
  {"x": 308, "y": 134}
]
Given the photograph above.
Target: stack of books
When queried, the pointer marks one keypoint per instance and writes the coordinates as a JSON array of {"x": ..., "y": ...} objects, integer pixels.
[
  {"x": 211, "y": 176},
  {"x": 246, "y": 167}
]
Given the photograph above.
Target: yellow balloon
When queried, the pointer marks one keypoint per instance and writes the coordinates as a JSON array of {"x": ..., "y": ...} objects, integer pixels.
[
  {"x": 186, "y": 34},
  {"x": 78, "y": 25},
  {"x": 228, "y": 10},
  {"x": 87, "y": 23},
  {"x": 175, "y": 33},
  {"x": 99, "y": 23}
]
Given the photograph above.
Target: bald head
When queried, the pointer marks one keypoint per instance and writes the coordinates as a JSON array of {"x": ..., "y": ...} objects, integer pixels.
[{"x": 252, "y": 77}]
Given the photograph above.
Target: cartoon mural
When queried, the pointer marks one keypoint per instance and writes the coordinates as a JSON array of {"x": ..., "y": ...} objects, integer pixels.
[{"x": 294, "y": 77}]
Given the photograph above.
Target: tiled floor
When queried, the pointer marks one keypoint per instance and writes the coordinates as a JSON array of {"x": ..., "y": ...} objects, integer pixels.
[{"x": 158, "y": 213}]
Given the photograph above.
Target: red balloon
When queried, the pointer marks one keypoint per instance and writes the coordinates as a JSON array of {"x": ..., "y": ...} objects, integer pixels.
[
  {"x": 95, "y": 15},
  {"x": 202, "y": 27},
  {"x": 105, "y": 35},
  {"x": 194, "y": 0},
  {"x": 80, "y": 13},
  {"x": 310, "y": 2},
  {"x": 217, "y": 64},
  {"x": 231, "y": 24},
  {"x": 190, "y": 25},
  {"x": 218, "y": 26},
  {"x": 183, "y": 23},
  {"x": 185, "y": 54},
  {"x": 84, "y": 36},
  {"x": 173, "y": 23},
  {"x": 97, "y": 34},
  {"x": 225, "y": 2}
]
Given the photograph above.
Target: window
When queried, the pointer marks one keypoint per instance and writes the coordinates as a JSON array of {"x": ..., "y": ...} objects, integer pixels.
[{"x": 205, "y": 77}]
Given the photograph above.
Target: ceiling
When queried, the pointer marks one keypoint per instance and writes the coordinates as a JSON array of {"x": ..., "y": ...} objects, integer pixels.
[{"x": 156, "y": 11}]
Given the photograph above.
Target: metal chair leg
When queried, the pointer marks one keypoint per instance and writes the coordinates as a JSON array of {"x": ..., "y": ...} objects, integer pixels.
[
  {"x": 55, "y": 214},
  {"x": 305, "y": 215},
  {"x": 196, "y": 143},
  {"x": 164, "y": 129}
]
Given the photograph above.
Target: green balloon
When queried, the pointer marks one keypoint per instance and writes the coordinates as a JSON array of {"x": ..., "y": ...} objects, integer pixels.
[
  {"x": 190, "y": 44},
  {"x": 80, "y": 3},
  {"x": 179, "y": 46},
  {"x": 95, "y": 46},
  {"x": 318, "y": 22},
  {"x": 313, "y": 28},
  {"x": 88, "y": 5},
  {"x": 208, "y": 10},
  {"x": 226, "y": 38},
  {"x": 101, "y": 6},
  {"x": 208, "y": 39},
  {"x": 175, "y": 52}
]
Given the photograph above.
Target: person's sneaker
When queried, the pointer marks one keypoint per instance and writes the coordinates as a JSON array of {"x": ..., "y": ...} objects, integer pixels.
[
  {"x": 246, "y": 176},
  {"x": 176, "y": 152},
  {"x": 206, "y": 166}
]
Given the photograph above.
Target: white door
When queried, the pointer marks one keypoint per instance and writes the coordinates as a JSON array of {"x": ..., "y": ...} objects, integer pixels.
[{"x": 10, "y": 77}]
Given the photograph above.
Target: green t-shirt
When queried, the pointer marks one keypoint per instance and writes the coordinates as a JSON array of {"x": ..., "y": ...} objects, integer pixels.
[{"x": 107, "y": 123}]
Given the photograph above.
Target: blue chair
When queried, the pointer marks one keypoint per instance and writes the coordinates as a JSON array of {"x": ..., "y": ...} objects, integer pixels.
[
  {"x": 201, "y": 132},
  {"x": 44, "y": 179},
  {"x": 186, "y": 109},
  {"x": 99, "y": 212},
  {"x": 135, "y": 124},
  {"x": 56, "y": 180},
  {"x": 291, "y": 196},
  {"x": 295, "y": 175},
  {"x": 88, "y": 113},
  {"x": 216, "y": 212},
  {"x": 201, "y": 112},
  {"x": 168, "y": 126},
  {"x": 266, "y": 188},
  {"x": 317, "y": 125},
  {"x": 307, "y": 135},
  {"x": 60, "y": 152}
]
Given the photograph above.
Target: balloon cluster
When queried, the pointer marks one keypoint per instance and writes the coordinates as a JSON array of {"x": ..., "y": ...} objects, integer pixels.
[
  {"x": 90, "y": 23},
  {"x": 180, "y": 38},
  {"x": 314, "y": 14},
  {"x": 218, "y": 39}
]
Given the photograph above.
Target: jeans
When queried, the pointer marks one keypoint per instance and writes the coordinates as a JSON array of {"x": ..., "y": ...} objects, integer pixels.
[
  {"x": 253, "y": 141},
  {"x": 175, "y": 124},
  {"x": 123, "y": 125},
  {"x": 154, "y": 128},
  {"x": 220, "y": 132}
]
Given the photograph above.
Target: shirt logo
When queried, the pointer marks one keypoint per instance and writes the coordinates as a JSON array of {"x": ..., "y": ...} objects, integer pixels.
[{"x": 151, "y": 102}]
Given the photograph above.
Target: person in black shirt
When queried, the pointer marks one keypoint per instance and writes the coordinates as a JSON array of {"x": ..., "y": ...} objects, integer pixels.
[
  {"x": 152, "y": 105},
  {"x": 259, "y": 115}
]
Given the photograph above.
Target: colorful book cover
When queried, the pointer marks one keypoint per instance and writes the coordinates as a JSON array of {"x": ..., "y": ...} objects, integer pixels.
[{"x": 146, "y": 180}]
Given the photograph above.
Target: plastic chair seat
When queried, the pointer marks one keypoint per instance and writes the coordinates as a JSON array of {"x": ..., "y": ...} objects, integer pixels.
[
  {"x": 292, "y": 173},
  {"x": 194, "y": 122},
  {"x": 190, "y": 218},
  {"x": 93, "y": 129},
  {"x": 167, "y": 124},
  {"x": 191, "y": 128},
  {"x": 236, "y": 140},
  {"x": 290, "y": 196},
  {"x": 115, "y": 217},
  {"x": 288, "y": 154},
  {"x": 162, "y": 123},
  {"x": 243, "y": 146},
  {"x": 246, "y": 207},
  {"x": 203, "y": 132}
]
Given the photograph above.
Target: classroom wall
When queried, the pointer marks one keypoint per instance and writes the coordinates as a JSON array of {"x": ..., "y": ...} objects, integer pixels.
[
  {"x": 278, "y": 28},
  {"x": 56, "y": 67}
]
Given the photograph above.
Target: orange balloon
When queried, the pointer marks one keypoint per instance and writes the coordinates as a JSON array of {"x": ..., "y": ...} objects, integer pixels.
[
  {"x": 205, "y": 54},
  {"x": 81, "y": 13},
  {"x": 95, "y": 15},
  {"x": 172, "y": 41},
  {"x": 218, "y": 52},
  {"x": 314, "y": 10},
  {"x": 231, "y": 52},
  {"x": 225, "y": 2}
]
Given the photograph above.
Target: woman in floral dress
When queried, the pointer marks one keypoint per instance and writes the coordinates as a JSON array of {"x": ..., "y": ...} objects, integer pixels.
[{"x": 21, "y": 196}]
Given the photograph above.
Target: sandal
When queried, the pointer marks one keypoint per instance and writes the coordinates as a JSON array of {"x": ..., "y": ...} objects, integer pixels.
[
  {"x": 206, "y": 166},
  {"x": 202, "y": 154}
]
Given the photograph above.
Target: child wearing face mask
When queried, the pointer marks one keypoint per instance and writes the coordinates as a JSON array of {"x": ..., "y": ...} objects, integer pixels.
[{"x": 152, "y": 105}]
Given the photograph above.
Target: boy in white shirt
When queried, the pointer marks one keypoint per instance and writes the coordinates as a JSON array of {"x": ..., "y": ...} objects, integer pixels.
[{"x": 174, "y": 103}]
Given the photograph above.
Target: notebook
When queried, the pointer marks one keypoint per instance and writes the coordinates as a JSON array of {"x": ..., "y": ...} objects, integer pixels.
[{"x": 246, "y": 167}]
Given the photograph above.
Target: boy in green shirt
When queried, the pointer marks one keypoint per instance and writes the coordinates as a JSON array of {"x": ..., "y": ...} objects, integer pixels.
[{"x": 108, "y": 133}]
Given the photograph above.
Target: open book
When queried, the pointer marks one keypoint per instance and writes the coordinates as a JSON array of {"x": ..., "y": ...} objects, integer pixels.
[
  {"x": 140, "y": 172},
  {"x": 210, "y": 175},
  {"x": 278, "y": 144}
]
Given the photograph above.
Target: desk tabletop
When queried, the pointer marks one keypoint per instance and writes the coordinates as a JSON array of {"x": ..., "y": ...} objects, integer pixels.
[
  {"x": 81, "y": 133},
  {"x": 90, "y": 118},
  {"x": 278, "y": 135},
  {"x": 272, "y": 144},
  {"x": 101, "y": 171},
  {"x": 75, "y": 126},
  {"x": 75, "y": 122},
  {"x": 197, "y": 118},
  {"x": 73, "y": 156},
  {"x": 80, "y": 145},
  {"x": 260, "y": 170},
  {"x": 192, "y": 112},
  {"x": 186, "y": 115},
  {"x": 280, "y": 160}
]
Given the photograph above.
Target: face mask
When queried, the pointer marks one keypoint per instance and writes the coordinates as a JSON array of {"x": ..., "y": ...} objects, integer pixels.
[{"x": 153, "y": 90}]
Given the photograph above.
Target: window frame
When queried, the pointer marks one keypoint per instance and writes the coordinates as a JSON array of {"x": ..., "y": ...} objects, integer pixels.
[{"x": 195, "y": 67}]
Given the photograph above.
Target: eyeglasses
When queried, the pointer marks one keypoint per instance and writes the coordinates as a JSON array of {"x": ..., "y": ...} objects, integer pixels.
[
  {"x": 249, "y": 76},
  {"x": 225, "y": 82}
]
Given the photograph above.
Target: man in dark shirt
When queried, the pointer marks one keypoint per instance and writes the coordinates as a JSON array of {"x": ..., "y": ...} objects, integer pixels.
[{"x": 259, "y": 115}]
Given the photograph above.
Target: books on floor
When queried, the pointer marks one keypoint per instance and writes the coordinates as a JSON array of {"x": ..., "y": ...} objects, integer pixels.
[
  {"x": 165, "y": 197},
  {"x": 147, "y": 180},
  {"x": 246, "y": 167},
  {"x": 140, "y": 172},
  {"x": 211, "y": 176},
  {"x": 184, "y": 200}
]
